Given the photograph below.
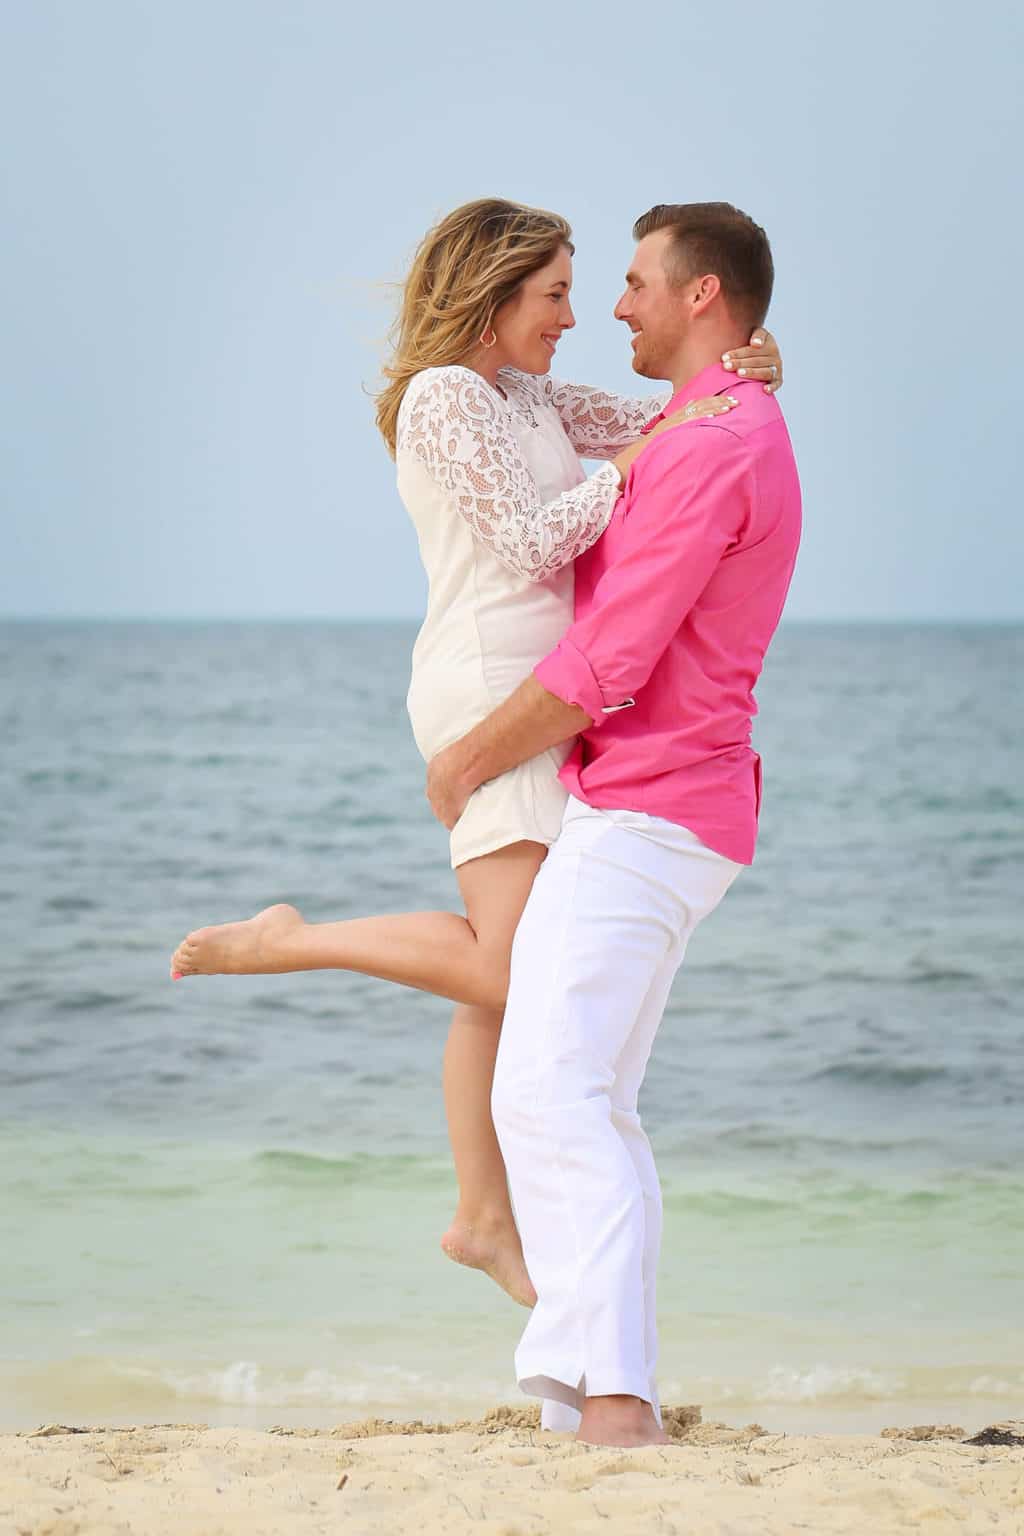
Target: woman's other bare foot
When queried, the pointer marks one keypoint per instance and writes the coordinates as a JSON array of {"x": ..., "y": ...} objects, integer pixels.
[
  {"x": 495, "y": 1248},
  {"x": 620, "y": 1420},
  {"x": 258, "y": 947}
]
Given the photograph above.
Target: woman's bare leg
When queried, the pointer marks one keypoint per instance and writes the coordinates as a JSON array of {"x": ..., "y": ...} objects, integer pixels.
[
  {"x": 463, "y": 958},
  {"x": 483, "y": 1233}
]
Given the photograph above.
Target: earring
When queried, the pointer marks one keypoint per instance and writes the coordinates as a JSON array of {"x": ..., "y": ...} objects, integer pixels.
[{"x": 483, "y": 339}]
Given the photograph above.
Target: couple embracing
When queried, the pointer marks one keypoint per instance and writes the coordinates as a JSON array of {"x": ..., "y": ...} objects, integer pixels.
[{"x": 582, "y": 691}]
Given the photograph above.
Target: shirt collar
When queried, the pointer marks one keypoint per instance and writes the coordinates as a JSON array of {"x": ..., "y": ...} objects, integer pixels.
[{"x": 713, "y": 380}]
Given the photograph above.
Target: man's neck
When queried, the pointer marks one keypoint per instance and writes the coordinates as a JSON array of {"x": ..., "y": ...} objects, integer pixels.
[{"x": 697, "y": 356}]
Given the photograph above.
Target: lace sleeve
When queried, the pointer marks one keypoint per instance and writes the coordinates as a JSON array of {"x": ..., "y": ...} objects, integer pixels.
[
  {"x": 453, "y": 424},
  {"x": 599, "y": 424}
]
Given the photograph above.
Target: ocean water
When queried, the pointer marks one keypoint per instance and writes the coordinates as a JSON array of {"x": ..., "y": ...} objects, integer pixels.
[{"x": 221, "y": 1199}]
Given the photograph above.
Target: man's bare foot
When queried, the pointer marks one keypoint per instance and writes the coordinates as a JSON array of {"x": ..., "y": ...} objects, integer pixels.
[
  {"x": 253, "y": 948},
  {"x": 622, "y": 1421},
  {"x": 497, "y": 1250}
]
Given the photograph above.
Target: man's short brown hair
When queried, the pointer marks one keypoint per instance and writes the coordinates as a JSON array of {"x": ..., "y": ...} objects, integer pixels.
[{"x": 718, "y": 238}]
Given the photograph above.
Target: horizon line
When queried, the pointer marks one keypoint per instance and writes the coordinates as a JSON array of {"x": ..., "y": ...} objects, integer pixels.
[{"x": 930, "y": 620}]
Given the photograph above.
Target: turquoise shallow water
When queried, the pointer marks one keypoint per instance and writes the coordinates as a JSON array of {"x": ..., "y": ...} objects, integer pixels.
[{"x": 222, "y": 1200}]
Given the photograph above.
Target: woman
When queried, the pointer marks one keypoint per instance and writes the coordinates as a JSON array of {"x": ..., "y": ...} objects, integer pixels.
[{"x": 487, "y": 446}]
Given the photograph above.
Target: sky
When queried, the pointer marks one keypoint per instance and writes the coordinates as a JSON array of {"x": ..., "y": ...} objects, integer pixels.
[{"x": 206, "y": 207}]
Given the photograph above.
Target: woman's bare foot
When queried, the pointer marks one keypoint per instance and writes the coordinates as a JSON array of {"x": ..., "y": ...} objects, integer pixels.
[
  {"x": 257, "y": 947},
  {"x": 622, "y": 1421},
  {"x": 497, "y": 1250}
]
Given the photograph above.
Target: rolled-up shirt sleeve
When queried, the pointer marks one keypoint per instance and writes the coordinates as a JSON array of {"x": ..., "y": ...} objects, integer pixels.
[{"x": 688, "y": 498}]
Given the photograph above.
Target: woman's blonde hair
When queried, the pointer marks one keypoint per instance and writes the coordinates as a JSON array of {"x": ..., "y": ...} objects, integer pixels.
[{"x": 466, "y": 267}]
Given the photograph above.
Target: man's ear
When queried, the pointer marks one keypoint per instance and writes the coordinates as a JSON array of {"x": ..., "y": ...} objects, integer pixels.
[{"x": 704, "y": 293}]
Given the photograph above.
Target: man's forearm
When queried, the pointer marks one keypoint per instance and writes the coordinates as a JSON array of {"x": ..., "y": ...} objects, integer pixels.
[{"x": 527, "y": 724}]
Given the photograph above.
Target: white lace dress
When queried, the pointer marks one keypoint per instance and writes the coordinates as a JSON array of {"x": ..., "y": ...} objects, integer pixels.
[{"x": 501, "y": 506}]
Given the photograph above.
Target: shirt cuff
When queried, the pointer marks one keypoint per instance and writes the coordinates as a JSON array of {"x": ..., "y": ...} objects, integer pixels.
[{"x": 567, "y": 674}]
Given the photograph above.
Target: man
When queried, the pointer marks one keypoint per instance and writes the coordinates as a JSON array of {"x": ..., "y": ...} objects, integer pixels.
[{"x": 675, "y": 607}]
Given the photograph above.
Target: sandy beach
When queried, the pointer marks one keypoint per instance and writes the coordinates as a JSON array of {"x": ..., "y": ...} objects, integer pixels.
[{"x": 501, "y": 1475}]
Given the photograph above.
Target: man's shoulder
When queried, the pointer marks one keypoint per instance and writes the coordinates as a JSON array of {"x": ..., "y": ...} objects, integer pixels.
[
  {"x": 753, "y": 428},
  {"x": 691, "y": 446}
]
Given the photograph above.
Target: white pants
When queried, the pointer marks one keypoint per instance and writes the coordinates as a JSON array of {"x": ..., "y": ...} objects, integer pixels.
[{"x": 602, "y": 936}]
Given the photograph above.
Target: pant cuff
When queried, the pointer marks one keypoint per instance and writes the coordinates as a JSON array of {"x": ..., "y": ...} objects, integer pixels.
[
  {"x": 600, "y": 1383},
  {"x": 614, "y": 1381},
  {"x": 552, "y": 1390},
  {"x": 559, "y": 1418}
]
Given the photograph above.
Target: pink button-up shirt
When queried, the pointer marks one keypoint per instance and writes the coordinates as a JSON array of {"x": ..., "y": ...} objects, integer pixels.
[{"x": 675, "y": 607}]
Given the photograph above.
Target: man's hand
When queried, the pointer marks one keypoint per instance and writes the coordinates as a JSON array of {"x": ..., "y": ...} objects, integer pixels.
[
  {"x": 447, "y": 788},
  {"x": 528, "y": 723}
]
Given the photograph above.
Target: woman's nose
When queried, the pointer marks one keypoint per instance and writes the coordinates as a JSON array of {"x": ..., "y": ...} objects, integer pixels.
[{"x": 568, "y": 318}]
